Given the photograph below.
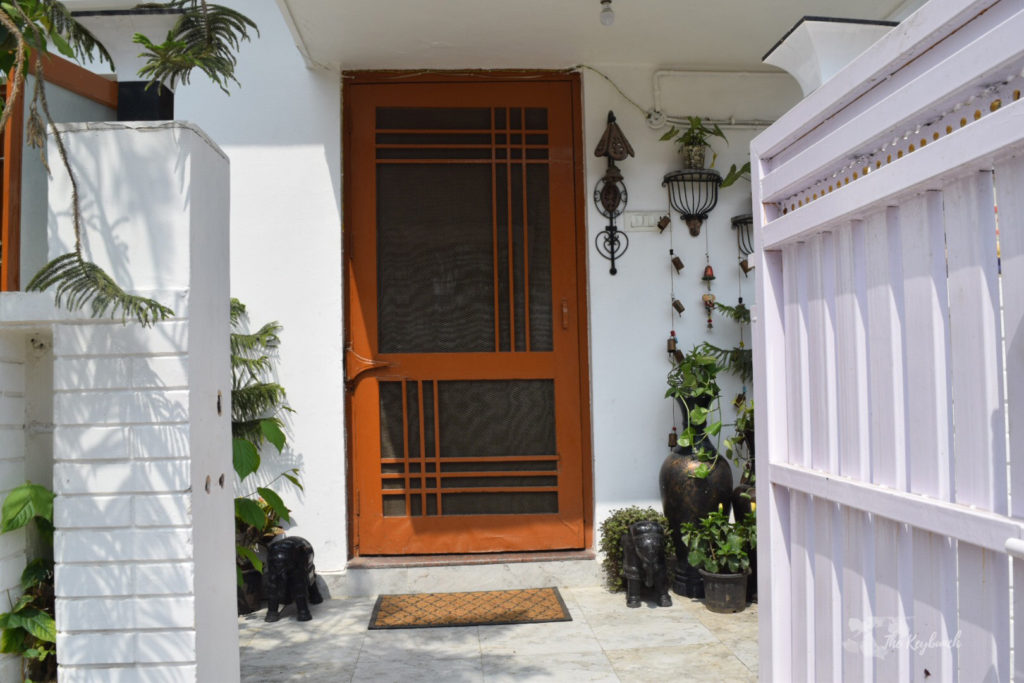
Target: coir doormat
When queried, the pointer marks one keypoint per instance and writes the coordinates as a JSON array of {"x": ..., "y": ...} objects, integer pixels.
[{"x": 477, "y": 608}]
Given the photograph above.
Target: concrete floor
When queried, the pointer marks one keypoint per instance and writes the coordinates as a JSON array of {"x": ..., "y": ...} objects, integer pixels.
[{"x": 605, "y": 641}]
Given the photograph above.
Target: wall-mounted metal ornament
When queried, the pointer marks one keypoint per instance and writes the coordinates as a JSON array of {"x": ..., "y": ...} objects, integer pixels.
[
  {"x": 709, "y": 273},
  {"x": 677, "y": 262},
  {"x": 744, "y": 227},
  {"x": 610, "y": 195},
  {"x": 678, "y": 305},
  {"x": 693, "y": 193},
  {"x": 709, "y": 305}
]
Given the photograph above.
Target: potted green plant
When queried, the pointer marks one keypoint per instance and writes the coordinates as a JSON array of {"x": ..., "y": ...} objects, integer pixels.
[
  {"x": 613, "y": 527},
  {"x": 693, "y": 140},
  {"x": 693, "y": 479},
  {"x": 721, "y": 549}
]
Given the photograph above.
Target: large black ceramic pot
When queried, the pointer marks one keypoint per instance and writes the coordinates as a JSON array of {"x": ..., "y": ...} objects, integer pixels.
[{"x": 685, "y": 498}]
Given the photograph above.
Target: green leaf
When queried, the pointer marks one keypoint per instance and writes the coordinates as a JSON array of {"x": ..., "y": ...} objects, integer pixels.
[
  {"x": 275, "y": 503},
  {"x": 37, "y": 622},
  {"x": 62, "y": 45},
  {"x": 672, "y": 132},
  {"x": 23, "y": 503},
  {"x": 249, "y": 554},
  {"x": 12, "y": 640},
  {"x": 698, "y": 415},
  {"x": 272, "y": 433},
  {"x": 36, "y": 572},
  {"x": 245, "y": 458},
  {"x": 702, "y": 471},
  {"x": 250, "y": 512},
  {"x": 713, "y": 429},
  {"x": 292, "y": 478}
]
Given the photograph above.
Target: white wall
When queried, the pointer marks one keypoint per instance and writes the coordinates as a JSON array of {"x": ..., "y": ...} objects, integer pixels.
[
  {"x": 630, "y": 313},
  {"x": 65, "y": 106},
  {"x": 281, "y": 130}
]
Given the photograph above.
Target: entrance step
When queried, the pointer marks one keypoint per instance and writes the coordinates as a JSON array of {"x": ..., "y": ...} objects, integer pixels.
[{"x": 449, "y": 573}]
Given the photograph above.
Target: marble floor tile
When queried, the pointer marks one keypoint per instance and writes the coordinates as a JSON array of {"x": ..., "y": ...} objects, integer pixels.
[
  {"x": 695, "y": 663},
  {"x": 416, "y": 666},
  {"x": 321, "y": 673},
  {"x": 560, "y": 667},
  {"x": 438, "y": 643},
  {"x": 538, "y": 639},
  {"x": 621, "y": 633}
]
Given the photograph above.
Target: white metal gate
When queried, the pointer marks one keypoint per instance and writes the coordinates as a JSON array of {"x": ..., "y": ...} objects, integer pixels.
[{"x": 891, "y": 492}]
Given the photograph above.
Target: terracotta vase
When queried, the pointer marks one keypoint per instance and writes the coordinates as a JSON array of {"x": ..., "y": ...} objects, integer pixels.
[{"x": 685, "y": 498}]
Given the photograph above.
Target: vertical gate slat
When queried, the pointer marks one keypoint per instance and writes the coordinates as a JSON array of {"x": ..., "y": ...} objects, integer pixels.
[
  {"x": 983, "y": 585},
  {"x": 1009, "y": 179},
  {"x": 929, "y": 428},
  {"x": 890, "y": 624},
  {"x": 801, "y": 541},
  {"x": 885, "y": 350},
  {"x": 974, "y": 337},
  {"x": 984, "y": 612},
  {"x": 821, "y": 353},
  {"x": 934, "y": 604},
  {"x": 827, "y": 597},
  {"x": 851, "y": 352},
  {"x": 858, "y": 596},
  {"x": 773, "y": 534}
]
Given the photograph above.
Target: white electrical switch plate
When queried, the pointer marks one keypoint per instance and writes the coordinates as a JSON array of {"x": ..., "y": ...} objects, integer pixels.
[{"x": 642, "y": 221}]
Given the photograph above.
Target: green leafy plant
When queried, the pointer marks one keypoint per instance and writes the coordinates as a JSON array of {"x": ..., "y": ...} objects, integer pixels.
[
  {"x": 28, "y": 629},
  {"x": 739, "y": 448},
  {"x": 257, "y": 404},
  {"x": 735, "y": 173},
  {"x": 693, "y": 381},
  {"x": 612, "y": 529},
  {"x": 206, "y": 37},
  {"x": 719, "y": 546},
  {"x": 695, "y": 134},
  {"x": 738, "y": 360}
]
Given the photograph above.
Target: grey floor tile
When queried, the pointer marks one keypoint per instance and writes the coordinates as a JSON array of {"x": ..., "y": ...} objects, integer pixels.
[{"x": 588, "y": 666}]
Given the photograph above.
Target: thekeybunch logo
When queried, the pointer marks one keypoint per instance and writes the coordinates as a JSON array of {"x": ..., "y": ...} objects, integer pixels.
[{"x": 883, "y": 636}]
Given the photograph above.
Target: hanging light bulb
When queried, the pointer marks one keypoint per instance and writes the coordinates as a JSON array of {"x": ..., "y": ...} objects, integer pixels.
[{"x": 607, "y": 13}]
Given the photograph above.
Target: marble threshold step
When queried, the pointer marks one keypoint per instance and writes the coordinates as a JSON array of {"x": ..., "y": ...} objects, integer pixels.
[{"x": 447, "y": 573}]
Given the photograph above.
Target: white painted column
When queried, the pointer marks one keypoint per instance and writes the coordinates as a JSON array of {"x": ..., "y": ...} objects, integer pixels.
[
  {"x": 12, "y": 473},
  {"x": 144, "y": 546}
]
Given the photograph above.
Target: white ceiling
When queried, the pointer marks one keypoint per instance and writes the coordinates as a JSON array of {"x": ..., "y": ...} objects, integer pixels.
[{"x": 446, "y": 34}]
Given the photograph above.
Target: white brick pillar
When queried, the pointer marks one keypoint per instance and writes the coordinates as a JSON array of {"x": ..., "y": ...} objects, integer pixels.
[
  {"x": 144, "y": 546},
  {"x": 12, "y": 473}
]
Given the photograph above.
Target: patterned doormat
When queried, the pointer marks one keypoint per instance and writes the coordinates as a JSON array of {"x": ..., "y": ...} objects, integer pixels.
[{"x": 478, "y": 608}]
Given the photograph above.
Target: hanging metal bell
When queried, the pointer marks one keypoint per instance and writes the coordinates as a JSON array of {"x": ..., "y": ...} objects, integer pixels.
[
  {"x": 673, "y": 438},
  {"x": 745, "y": 265},
  {"x": 709, "y": 273},
  {"x": 673, "y": 343},
  {"x": 678, "y": 305},
  {"x": 677, "y": 263},
  {"x": 678, "y": 356}
]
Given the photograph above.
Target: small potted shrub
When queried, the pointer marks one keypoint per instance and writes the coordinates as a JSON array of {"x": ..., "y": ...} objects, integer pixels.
[
  {"x": 612, "y": 529},
  {"x": 693, "y": 141},
  {"x": 721, "y": 551}
]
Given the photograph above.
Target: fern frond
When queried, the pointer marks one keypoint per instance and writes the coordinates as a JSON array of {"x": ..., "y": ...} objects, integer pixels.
[
  {"x": 739, "y": 313},
  {"x": 254, "y": 401},
  {"x": 81, "y": 40},
  {"x": 738, "y": 361},
  {"x": 253, "y": 343},
  {"x": 205, "y": 38},
  {"x": 79, "y": 283}
]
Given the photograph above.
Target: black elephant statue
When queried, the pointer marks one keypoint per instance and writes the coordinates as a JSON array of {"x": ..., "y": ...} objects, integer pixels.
[
  {"x": 643, "y": 562},
  {"x": 291, "y": 576}
]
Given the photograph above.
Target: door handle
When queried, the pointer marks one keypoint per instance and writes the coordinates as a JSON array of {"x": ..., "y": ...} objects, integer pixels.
[
  {"x": 565, "y": 314},
  {"x": 356, "y": 365}
]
